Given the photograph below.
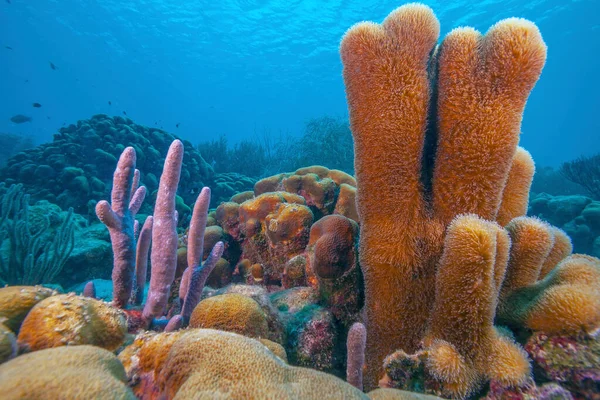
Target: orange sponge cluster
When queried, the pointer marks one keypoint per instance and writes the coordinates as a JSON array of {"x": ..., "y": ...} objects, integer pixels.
[{"x": 430, "y": 272}]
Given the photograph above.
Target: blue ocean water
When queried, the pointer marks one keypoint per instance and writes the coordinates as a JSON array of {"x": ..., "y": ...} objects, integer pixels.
[{"x": 242, "y": 67}]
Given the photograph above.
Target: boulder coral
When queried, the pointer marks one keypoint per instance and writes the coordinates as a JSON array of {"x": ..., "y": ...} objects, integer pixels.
[
  {"x": 78, "y": 372},
  {"x": 65, "y": 320},
  {"x": 16, "y": 301},
  {"x": 231, "y": 312},
  {"x": 208, "y": 364},
  {"x": 438, "y": 128},
  {"x": 326, "y": 191}
]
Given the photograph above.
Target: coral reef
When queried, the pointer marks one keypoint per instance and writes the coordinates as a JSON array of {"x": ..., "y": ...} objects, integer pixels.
[
  {"x": 421, "y": 274},
  {"x": 577, "y": 215},
  {"x": 63, "y": 172},
  {"x": 571, "y": 360}
]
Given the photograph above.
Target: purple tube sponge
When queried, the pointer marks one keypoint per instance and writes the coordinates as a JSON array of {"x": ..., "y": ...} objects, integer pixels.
[
  {"x": 164, "y": 235},
  {"x": 197, "y": 280},
  {"x": 126, "y": 199},
  {"x": 141, "y": 261},
  {"x": 195, "y": 247},
  {"x": 89, "y": 290},
  {"x": 174, "y": 323},
  {"x": 356, "y": 343}
]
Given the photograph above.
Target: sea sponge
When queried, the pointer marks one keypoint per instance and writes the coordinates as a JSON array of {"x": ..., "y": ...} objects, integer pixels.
[
  {"x": 515, "y": 196},
  {"x": 482, "y": 85},
  {"x": 532, "y": 242},
  {"x": 561, "y": 249},
  {"x": 479, "y": 122},
  {"x": 231, "y": 312},
  {"x": 566, "y": 301},
  {"x": 78, "y": 372},
  {"x": 16, "y": 301},
  {"x": 72, "y": 320}
]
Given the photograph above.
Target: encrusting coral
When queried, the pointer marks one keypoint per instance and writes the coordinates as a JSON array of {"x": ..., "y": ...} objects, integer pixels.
[{"x": 439, "y": 128}]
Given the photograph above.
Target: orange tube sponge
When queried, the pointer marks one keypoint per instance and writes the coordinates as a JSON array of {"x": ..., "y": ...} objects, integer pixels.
[
  {"x": 532, "y": 241},
  {"x": 483, "y": 85},
  {"x": 561, "y": 250},
  {"x": 387, "y": 88},
  {"x": 462, "y": 343},
  {"x": 567, "y": 300},
  {"x": 515, "y": 196}
]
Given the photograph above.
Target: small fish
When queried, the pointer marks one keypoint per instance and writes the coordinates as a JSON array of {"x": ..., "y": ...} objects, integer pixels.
[
  {"x": 109, "y": 103},
  {"x": 64, "y": 123},
  {"x": 48, "y": 117},
  {"x": 8, "y": 47},
  {"x": 155, "y": 123},
  {"x": 124, "y": 113},
  {"x": 54, "y": 67},
  {"x": 26, "y": 80},
  {"x": 177, "y": 125},
  {"x": 19, "y": 119},
  {"x": 194, "y": 190},
  {"x": 8, "y": 1},
  {"x": 37, "y": 105}
]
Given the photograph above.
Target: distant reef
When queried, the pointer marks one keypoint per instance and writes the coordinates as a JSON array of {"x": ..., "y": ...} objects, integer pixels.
[
  {"x": 76, "y": 168},
  {"x": 578, "y": 216}
]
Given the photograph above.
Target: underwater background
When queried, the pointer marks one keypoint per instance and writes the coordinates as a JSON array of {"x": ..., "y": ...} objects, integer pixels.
[
  {"x": 277, "y": 199},
  {"x": 239, "y": 68}
]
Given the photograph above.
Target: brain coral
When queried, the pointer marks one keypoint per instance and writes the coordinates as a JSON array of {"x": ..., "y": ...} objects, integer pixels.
[
  {"x": 79, "y": 372},
  {"x": 209, "y": 364},
  {"x": 231, "y": 312}
]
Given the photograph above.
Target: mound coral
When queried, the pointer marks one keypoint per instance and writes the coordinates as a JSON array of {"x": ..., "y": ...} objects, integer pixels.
[
  {"x": 16, "y": 301},
  {"x": 205, "y": 363},
  {"x": 231, "y": 312},
  {"x": 78, "y": 372},
  {"x": 72, "y": 320}
]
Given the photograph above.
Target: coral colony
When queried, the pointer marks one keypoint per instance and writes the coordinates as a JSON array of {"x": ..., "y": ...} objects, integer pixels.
[{"x": 420, "y": 277}]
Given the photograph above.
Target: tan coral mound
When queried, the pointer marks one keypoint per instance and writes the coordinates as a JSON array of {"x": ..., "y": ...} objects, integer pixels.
[
  {"x": 8, "y": 344},
  {"x": 231, "y": 312},
  {"x": 79, "y": 372},
  {"x": 72, "y": 320},
  {"x": 209, "y": 364},
  {"x": 16, "y": 301},
  {"x": 394, "y": 394}
]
